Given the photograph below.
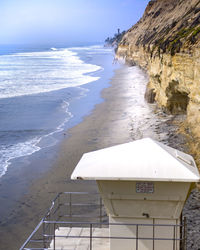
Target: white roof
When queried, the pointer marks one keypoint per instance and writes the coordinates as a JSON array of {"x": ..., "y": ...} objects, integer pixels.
[{"x": 144, "y": 159}]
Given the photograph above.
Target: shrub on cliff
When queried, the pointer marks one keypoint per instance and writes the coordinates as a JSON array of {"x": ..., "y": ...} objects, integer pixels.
[{"x": 115, "y": 40}]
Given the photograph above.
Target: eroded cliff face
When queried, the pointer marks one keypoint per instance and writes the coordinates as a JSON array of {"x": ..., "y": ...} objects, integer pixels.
[{"x": 166, "y": 42}]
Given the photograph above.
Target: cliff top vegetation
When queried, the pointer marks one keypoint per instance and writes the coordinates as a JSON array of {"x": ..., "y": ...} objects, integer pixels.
[
  {"x": 116, "y": 39},
  {"x": 167, "y": 26}
]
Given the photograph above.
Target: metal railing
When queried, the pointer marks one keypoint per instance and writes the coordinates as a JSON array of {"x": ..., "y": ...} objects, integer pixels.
[{"x": 69, "y": 207}]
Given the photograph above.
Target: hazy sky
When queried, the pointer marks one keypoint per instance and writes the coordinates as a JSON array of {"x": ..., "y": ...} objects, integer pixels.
[{"x": 65, "y": 21}]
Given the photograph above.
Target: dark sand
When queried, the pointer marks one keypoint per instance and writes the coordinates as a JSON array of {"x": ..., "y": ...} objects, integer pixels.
[{"x": 111, "y": 122}]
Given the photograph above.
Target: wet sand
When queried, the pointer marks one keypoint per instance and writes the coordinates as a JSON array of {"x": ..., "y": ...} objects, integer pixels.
[{"x": 112, "y": 122}]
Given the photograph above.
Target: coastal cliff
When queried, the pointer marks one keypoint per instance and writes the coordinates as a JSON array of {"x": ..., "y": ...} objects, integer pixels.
[{"x": 166, "y": 42}]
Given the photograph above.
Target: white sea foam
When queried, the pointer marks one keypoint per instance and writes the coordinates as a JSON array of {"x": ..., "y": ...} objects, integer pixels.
[
  {"x": 61, "y": 127},
  {"x": 31, "y": 146},
  {"x": 15, "y": 151},
  {"x": 95, "y": 49},
  {"x": 38, "y": 72}
]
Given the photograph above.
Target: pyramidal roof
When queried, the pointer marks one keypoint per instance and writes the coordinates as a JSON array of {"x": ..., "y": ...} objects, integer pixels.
[{"x": 143, "y": 159}]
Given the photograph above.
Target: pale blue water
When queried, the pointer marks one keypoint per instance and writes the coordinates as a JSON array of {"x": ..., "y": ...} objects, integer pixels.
[{"x": 44, "y": 91}]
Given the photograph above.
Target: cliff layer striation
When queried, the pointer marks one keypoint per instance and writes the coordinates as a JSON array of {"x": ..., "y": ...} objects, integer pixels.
[{"x": 166, "y": 42}]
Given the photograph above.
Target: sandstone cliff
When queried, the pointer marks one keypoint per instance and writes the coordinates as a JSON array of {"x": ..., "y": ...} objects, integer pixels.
[{"x": 166, "y": 42}]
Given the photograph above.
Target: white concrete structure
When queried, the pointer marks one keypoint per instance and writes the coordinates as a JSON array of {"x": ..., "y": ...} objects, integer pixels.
[{"x": 141, "y": 182}]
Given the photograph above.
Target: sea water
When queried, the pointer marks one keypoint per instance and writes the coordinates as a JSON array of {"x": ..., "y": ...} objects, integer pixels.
[{"x": 43, "y": 92}]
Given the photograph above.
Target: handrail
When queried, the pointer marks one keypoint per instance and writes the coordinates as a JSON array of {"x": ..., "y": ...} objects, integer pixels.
[
  {"x": 52, "y": 204},
  {"x": 50, "y": 222},
  {"x": 111, "y": 224},
  {"x": 48, "y": 213},
  {"x": 90, "y": 236},
  {"x": 32, "y": 234}
]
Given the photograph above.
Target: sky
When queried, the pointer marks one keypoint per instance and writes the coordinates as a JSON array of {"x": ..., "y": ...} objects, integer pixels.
[{"x": 66, "y": 21}]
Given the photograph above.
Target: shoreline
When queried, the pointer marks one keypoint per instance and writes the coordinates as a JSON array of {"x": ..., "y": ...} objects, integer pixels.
[
  {"x": 110, "y": 123},
  {"x": 28, "y": 210}
]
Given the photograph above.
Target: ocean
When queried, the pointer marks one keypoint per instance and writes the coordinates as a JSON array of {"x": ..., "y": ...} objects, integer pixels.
[{"x": 44, "y": 92}]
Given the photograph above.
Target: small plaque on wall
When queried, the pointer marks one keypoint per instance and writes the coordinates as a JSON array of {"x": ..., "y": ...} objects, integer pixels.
[{"x": 145, "y": 187}]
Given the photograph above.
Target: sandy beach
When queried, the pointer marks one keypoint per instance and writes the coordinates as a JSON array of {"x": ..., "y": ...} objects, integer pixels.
[{"x": 111, "y": 122}]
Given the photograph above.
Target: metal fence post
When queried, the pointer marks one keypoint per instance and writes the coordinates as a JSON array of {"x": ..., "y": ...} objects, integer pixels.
[
  {"x": 54, "y": 236},
  {"x": 70, "y": 205},
  {"x": 70, "y": 208},
  {"x": 100, "y": 212},
  {"x": 153, "y": 234},
  {"x": 43, "y": 234},
  {"x": 181, "y": 233},
  {"x": 49, "y": 226},
  {"x": 90, "y": 236},
  {"x": 58, "y": 201},
  {"x": 174, "y": 236},
  {"x": 136, "y": 237},
  {"x": 185, "y": 234}
]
